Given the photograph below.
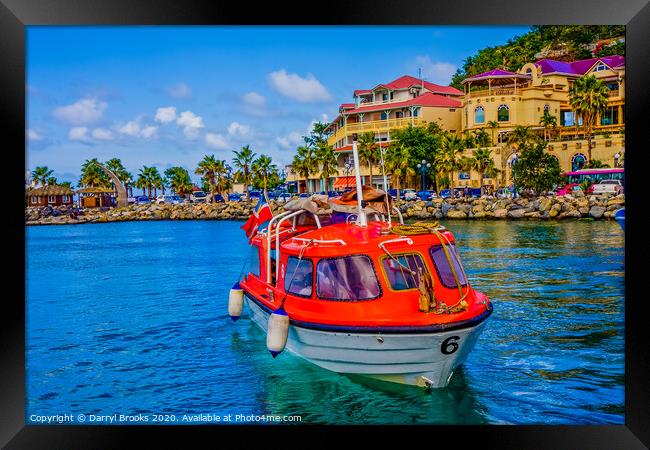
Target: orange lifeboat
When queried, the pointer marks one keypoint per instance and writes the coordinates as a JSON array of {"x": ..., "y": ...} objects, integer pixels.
[{"x": 382, "y": 299}]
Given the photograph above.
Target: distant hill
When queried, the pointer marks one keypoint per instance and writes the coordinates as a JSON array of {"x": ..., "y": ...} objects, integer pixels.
[{"x": 561, "y": 42}]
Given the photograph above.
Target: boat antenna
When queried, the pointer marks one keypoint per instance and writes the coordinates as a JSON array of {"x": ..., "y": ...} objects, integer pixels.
[
  {"x": 383, "y": 172},
  {"x": 362, "y": 220}
]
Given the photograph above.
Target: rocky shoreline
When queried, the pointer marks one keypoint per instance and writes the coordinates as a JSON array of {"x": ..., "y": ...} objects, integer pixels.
[{"x": 485, "y": 208}]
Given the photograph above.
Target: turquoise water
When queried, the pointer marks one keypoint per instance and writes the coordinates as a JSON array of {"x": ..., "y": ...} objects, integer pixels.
[{"x": 130, "y": 319}]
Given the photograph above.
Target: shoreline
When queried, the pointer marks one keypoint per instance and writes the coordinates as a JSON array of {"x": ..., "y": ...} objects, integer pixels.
[{"x": 591, "y": 207}]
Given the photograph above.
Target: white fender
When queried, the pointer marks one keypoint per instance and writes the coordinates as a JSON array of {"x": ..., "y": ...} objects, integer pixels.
[
  {"x": 235, "y": 302},
  {"x": 277, "y": 332}
]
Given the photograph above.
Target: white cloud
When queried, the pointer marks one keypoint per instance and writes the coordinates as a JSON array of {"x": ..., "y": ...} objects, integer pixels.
[
  {"x": 132, "y": 128},
  {"x": 180, "y": 91},
  {"x": 102, "y": 134},
  {"x": 166, "y": 115},
  {"x": 32, "y": 135},
  {"x": 78, "y": 134},
  {"x": 292, "y": 85},
  {"x": 436, "y": 72},
  {"x": 191, "y": 124},
  {"x": 216, "y": 141},
  {"x": 148, "y": 132},
  {"x": 291, "y": 140},
  {"x": 254, "y": 99},
  {"x": 237, "y": 129},
  {"x": 81, "y": 112}
]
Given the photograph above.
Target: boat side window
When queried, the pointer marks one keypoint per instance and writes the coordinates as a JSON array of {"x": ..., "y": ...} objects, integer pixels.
[
  {"x": 348, "y": 278},
  {"x": 253, "y": 265},
  {"x": 443, "y": 268},
  {"x": 299, "y": 276},
  {"x": 403, "y": 272}
]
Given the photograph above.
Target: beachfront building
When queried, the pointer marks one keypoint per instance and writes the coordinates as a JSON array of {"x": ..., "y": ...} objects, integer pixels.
[
  {"x": 498, "y": 100},
  {"x": 402, "y": 102},
  {"x": 49, "y": 195},
  {"x": 95, "y": 197},
  {"x": 495, "y": 101}
]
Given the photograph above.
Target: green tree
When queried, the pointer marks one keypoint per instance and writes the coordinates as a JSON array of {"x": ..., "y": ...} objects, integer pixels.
[
  {"x": 262, "y": 169},
  {"x": 327, "y": 164},
  {"x": 304, "y": 163},
  {"x": 447, "y": 159},
  {"x": 588, "y": 97},
  {"x": 367, "y": 148},
  {"x": 483, "y": 163},
  {"x": 242, "y": 161},
  {"x": 52, "y": 181},
  {"x": 549, "y": 122},
  {"x": 178, "y": 179},
  {"x": 115, "y": 166},
  {"x": 398, "y": 163},
  {"x": 536, "y": 169},
  {"x": 596, "y": 164},
  {"x": 147, "y": 179},
  {"x": 208, "y": 168},
  {"x": 92, "y": 175},
  {"x": 41, "y": 174},
  {"x": 493, "y": 125}
]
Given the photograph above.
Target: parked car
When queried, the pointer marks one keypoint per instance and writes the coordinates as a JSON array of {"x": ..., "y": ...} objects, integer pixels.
[
  {"x": 218, "y": 198},
  {"x": 503, "y": 193},
  {"x": 284, "y": 197},
  {"x": 567, "y": 189},
  {"x": 198, "y": 197},
  {"x": 331, "y": 194},
  {"x": 142, "y": 200},
  {"x": 254, "y": 194},
  {"x": 234, "y": 197},
  {"x": 445, "y": 193},
  {"x": 607, "y": 187},
  {"x": 305, "y": 195},
  {"x": 169, "y": 199},
  {"x": 476, "y": 192},
  {"x": 424, "y": 195},
  {"x": 409, "y": 194}
]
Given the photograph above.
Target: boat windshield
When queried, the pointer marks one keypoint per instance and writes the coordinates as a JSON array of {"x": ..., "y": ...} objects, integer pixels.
[
  {"x": 444, "y": 269},
  {"x": 347, "y": 278},
  {"x": 403, "y": 272},
  {"x": 298, "y": 278}
]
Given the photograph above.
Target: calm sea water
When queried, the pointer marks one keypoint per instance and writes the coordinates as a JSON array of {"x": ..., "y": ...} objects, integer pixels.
[{"x": 130, "y": 318}]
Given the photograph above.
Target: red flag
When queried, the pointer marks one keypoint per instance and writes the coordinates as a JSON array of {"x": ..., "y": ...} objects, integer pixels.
[{"x": 261, "y": 214}]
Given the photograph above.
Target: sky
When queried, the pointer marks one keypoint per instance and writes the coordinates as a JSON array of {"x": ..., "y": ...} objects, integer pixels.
[{"x": 167, "y": 96}]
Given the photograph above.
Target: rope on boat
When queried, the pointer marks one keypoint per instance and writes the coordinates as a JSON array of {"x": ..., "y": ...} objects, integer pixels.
[{"x": 416, "y": 228}]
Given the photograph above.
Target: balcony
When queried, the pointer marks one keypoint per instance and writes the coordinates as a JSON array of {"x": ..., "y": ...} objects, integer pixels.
[
  {"x": 571, "y": 132},
  {"x": 376, "y": 126}
]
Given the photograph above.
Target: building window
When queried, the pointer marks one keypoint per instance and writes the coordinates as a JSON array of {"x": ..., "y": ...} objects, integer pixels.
[
  {"x": 51, "y": 199},
  {"x": 416, "y": 112},
  {"x": 600, "y": 67},
  {"x": 452, "y": 109},
  {"x": 66, "y": 198},
  {"x": 547, "y": 107},
  {"x": 34, "y": 199},
  {"x": 399, "y": 114},
  {"x": 610, "y": 116},
  {"x": 503, "y": 113},
  {"x": 384, "y": 116},
  {"x": 578, "y": 161},
  {"x": 529, "y": 71},
  {"x": 479, "y": 115},
  {"x": 567, "y": 119},
  {"x": 298, "y": 278}
]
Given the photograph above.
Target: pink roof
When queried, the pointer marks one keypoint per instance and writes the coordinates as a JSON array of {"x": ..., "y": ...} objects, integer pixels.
[
  {"x": 426, "y": 99},
  {"x": 407, "y": 81},
  {"x": 579, "y": 67}
]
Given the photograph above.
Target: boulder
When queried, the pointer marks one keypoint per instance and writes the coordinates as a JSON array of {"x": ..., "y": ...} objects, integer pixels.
[
  {"x": 516, "y": 213},
  {"x": 555, "y": 210},
  {"x": 456, "y": 214},
  {"x": 500, "y": 213},
  {"x": 596, "y": 212}
]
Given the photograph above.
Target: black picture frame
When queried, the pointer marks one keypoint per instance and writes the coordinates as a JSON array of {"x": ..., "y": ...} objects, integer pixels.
[{"x": 16, "y": 14}]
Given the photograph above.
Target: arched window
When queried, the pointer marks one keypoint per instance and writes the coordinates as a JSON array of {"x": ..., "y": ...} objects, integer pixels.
[
  {"x": 578, "y": 161},
  {"x": 503, "y": 113},
  {"x": 479, "y": 115},
  {"x": 529, "y": 71}
]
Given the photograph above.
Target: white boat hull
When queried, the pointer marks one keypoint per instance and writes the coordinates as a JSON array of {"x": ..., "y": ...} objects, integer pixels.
[{"x": 422, "y": 359}]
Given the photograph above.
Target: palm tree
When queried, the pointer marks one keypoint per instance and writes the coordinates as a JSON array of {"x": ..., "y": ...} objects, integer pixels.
[
  {"x": 207, "y": 168},
  {"x": 367, "y": 147},
  {"x": 304, "y": 163},
  {"x": 549, "y": 122},
  {"x": 115, "y": 166},
  {"x": 447, "y": 158},
  {"x": 493, "y": 125},
  {"x": 481, "y": 138},
  {"x": 243, "y": 160},
  {"x": 92, "y": 175},
  {"x": 223, "y": 176},
  {"x": 398, "y": 162},
  {"x": 178, "y": 179},
  {"x": 596, "y": 164},
  {"x": 588, "y": 97},
  {"x": 51, "y": 181},
  {"x": 41, "y": 174},
  {"x": 482, "y": 162},
  {"x": 328, "y": 164},
  {"x": 147, "y": 179},
  {"x": 262, "y": 168}
]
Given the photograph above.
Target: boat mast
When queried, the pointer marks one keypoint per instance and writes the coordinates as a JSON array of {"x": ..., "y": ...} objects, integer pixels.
[
  {"x": 361, "y": 219},
  {"x": 383, "y": 172}
]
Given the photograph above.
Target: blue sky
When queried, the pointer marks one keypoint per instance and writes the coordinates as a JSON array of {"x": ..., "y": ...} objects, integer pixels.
[{"x": 168, "y": 96}]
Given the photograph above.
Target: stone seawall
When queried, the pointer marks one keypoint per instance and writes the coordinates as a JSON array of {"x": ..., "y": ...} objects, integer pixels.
[{"x": 485, "y": 208}]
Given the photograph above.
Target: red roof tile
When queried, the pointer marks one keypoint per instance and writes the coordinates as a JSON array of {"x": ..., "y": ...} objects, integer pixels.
[{"x": 426, "y": 99}]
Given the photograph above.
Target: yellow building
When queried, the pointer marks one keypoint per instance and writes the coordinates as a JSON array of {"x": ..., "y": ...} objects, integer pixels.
[{"x": 494, "y": 101}]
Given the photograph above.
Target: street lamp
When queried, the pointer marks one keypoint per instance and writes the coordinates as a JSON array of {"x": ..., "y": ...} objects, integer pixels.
[
  {"x": 513, "y": 162},
  {"x": 423, "y": 168},
  {"x": 347, "y": 170}
]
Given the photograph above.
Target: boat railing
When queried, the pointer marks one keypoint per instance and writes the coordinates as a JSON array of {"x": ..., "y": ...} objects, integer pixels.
[
  {"x": 321, "y": 241},
  {"x": 399, "y": 214},
  {"x": 409, "y": 241}
]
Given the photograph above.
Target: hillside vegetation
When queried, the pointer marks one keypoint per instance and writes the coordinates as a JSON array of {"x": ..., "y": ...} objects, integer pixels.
[{"x": 562, "y": 42}]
